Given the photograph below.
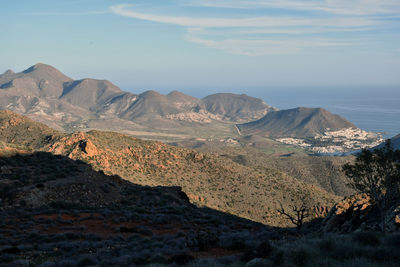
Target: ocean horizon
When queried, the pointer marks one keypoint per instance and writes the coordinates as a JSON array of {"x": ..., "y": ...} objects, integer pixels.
[{"x": 372, "y": 109}]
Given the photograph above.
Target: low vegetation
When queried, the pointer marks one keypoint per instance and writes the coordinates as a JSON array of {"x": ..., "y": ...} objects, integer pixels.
[
  {"x": 208, "y": 179},
  {"x": 377, "y": 174},
  {"x": 101, "y": 198}
]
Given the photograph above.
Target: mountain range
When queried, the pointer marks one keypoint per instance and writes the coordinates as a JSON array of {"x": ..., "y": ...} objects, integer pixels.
[
  {"x": 47, "y": 95},
  {"x": 82, "y": 198},
  {"x": 44, "y": 93}
]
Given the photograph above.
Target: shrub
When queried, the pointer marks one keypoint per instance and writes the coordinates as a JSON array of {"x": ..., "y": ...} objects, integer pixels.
[
  {"x": 62, "y": 205},
  {"x": 263, "y": 250},
  {"x": 87, "y": 260},
  {"x": 67, "y": 263},
  {"x": 302, "y": 255},
  {"x": 182, "y": 258},
  {"x": 393, "y": 240},
  {"x": 259, "y": 262},
  {"x": 366, "y": 238},
  {"x": 278, "y": 257},
  {"x": 327, "y": 244}
]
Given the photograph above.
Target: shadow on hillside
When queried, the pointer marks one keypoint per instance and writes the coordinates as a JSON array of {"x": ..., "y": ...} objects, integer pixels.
[
  {"x": 66, "y": 183},
  {"x": 58, "y": 209}
]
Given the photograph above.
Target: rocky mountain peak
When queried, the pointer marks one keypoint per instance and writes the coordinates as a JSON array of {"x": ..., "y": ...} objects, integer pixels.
[
  {"x": 8, "y": 72},
  {"x": 151, "y": 93},
  {"x": 40, "y": 67}
]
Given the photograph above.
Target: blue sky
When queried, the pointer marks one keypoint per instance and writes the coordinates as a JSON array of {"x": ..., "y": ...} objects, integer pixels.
[{"x": 207, "y": 45}]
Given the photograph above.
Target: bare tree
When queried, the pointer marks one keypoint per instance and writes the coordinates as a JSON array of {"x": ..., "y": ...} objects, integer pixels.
[
  {"x": 377, "y": 173},
  {"x": 296, "y": 213}
]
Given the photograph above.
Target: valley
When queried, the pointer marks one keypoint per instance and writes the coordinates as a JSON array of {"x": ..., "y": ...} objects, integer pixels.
[
  {"x": 172, "y": 179},
  {"x": 209, "y": 179},
  {"x": 45, "y": 94},
  {"x": 200, "y": 133}
]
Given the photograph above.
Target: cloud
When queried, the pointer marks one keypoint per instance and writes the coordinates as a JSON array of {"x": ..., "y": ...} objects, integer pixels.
[
  {"x": 85, "y": 13},
  {"x": 257, "y": 35},
  {"x": 264, "y": 21},
  {"x": 341, "y": 7},
  {"x": 266, "y": 47}
]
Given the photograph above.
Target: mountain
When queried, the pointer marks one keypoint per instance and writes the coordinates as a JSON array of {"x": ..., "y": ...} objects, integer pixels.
[
  {"x": 233, "y": 106},
  {"x": 151, "y": 104},
  {"x": 208, "y": 179},
  {"x": 39, "y": 80},
  {"x": 46, "y": 95},
  {"x": 297, "y": 122},
  {"x": 89, "y": 93}
]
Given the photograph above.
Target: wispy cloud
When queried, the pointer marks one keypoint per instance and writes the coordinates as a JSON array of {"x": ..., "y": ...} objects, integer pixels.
[
  {"x": 85, "y": 13},
  {"x": 342, "y": 7},
  {"x": 256, "y": 35},
  {"x": 265, "y": 47},
  {"x": 264, "y": 21}
]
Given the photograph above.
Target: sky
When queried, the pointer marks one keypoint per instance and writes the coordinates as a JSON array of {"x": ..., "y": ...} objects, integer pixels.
[{"x": 203, "y": 46}]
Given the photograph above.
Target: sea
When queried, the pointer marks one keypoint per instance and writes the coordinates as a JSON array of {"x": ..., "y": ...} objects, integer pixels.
[
  {"x": 370, "y": 108},
  {"x": 375, "y": 109}
]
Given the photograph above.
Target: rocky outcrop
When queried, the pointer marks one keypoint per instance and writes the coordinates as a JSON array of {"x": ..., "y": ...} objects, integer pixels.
[{"x": 358, "y": 212}]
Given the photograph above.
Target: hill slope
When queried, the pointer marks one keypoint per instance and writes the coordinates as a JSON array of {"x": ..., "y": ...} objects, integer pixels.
[
  {"x": 396, "y": 141},
  {"x": 55, "y": 210},
  {"x": 208, "y": 179},
  {"x": 322, "y": 171},
  {"x": 23, "y": 131},
  {"x": 297, "y": 122},
  {"x": 236, "y": 107}
]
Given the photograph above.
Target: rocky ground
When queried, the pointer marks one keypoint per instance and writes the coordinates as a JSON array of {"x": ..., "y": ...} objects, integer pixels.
[
  {"x": 99, "y": 220},
  {"x": 59, "y": 212}
]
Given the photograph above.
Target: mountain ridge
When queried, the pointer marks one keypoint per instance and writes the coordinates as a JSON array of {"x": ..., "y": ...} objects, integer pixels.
[
  {"x": 41, "y": 81},
  {"x": 296, "y": 122}
]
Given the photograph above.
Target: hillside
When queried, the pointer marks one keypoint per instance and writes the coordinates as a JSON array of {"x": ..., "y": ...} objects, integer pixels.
[
  {"x": 23, "y": 131},
  {"x": 236, "y": 107},
  {"x": 89, "y": 93},
  {"x": 55, "y": 210},
  {"x": 297, "y": 122},
  {"x": 396, "y": 141},
  {"x": 322, "y": 171},
  {"x": 208, "y": 179}
]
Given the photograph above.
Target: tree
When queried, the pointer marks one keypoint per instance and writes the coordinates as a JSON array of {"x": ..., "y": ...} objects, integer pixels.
[
  {"x": 297, "y": 213},
  {"x": 377, "y": 173}
]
